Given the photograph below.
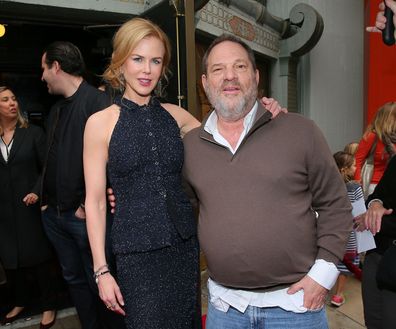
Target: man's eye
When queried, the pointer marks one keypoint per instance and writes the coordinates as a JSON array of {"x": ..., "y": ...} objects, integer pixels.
[{"x": 241, "y": 67}]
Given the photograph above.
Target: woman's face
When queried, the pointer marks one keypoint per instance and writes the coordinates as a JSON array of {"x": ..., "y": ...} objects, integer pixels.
[
  {"x": 143, "y": 69},
  {"x": 8, "y": 105}
]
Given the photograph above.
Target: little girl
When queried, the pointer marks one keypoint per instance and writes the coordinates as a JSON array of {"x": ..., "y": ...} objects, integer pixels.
[{"x": 346, "y": 165}]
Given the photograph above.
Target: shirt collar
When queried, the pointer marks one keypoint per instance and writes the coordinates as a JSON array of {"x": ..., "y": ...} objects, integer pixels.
[{"x": 211, "y": 128}]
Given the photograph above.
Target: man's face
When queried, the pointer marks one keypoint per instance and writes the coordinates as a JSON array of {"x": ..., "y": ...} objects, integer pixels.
[
  {"x": 230, "y": 82},
  {"x": 49, "y": 76}
]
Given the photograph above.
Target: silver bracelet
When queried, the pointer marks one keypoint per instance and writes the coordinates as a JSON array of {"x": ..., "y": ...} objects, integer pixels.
[
  {"x": 105, "y": 266},
  {"x": 97, "y": 275}
]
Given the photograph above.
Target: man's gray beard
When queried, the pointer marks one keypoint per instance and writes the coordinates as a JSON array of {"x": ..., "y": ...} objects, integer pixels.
[{"x": 236, "y": 111}]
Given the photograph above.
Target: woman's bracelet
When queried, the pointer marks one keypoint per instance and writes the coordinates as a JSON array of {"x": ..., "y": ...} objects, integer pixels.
[
  {"x": 97, "y": 275},
  {"x": 374, "y": 200},
  {"x": 105, "y": 266}
]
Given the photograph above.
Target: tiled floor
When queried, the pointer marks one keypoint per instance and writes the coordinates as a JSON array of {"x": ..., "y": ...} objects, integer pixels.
[{"x": 347, "y": 316}]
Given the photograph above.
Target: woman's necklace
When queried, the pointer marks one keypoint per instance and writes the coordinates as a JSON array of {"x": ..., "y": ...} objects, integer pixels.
[{"x": 6, "y": 146}]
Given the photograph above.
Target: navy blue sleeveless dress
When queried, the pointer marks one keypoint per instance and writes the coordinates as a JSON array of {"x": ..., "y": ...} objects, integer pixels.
[{"x": 154, "y": 231}]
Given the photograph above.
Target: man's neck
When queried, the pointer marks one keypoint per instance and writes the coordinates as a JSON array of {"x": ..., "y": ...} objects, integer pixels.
[
  {"x": 230, "y": 130},
  {"x": 72, "y": 83}
]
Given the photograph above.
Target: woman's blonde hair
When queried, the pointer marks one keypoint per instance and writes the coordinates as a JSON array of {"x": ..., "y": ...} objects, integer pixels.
[
  {"x": 21, "y": 121},
  {"x": 125, "y": 40},
  {"x": 384, "y": 122}
]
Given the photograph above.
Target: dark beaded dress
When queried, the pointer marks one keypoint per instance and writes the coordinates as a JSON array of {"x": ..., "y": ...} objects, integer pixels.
[{"x": 154, "y": 231}]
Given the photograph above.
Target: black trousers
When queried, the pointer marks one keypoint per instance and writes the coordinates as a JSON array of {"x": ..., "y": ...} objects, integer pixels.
[
  {"x": 21, "y": 281},
  {"x": 379, "y": 304}
]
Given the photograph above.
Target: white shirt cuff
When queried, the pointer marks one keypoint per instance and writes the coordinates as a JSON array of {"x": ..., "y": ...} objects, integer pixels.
[{"x": 324, "y": 273}]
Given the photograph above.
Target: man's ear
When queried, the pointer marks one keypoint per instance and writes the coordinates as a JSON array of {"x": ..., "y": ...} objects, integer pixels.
[
  {"x": 56, "y": 66},
  {"x": 204, "y": 80},
  {"x": 257, "y": 77}
]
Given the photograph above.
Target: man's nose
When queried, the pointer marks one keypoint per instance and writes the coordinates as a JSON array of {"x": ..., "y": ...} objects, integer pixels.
[{"x": 229, "y": 73}]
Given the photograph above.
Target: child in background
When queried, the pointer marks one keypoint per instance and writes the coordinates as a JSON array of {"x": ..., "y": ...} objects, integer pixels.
[
  {"x": 347, "y": 167},
  {"x": 351, "y": 148}
]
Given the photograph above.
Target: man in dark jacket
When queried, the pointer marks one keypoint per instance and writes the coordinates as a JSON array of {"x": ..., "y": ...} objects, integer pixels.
[{"x": 63, "y": 179}]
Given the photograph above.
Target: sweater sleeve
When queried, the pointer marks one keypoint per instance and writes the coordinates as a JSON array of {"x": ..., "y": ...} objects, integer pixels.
[
  {"x": 329, "y": 199},
  {"x": 363, "y": 151}
]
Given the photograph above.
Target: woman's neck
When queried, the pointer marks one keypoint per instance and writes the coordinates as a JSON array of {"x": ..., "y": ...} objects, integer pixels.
[{"x": 8, "y": 125}]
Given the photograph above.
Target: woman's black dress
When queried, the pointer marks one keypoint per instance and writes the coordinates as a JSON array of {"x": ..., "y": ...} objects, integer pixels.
[{"x": 154, "y": 231}]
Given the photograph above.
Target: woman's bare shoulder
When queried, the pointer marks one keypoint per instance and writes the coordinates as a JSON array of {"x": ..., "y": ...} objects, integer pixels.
[{"x": 104, "y": 117}]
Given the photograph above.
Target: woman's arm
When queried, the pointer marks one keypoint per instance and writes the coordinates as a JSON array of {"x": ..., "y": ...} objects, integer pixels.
[
  {"x": 95, "y": 160},
  {"x": 382, "y": 200},
  {"x": 363, "y": 151}
]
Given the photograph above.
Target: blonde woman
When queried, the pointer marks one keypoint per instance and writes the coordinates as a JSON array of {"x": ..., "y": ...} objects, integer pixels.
[
  {"x": 24, "y": 248},
  {"x": 137, "y": 141},
  {"x": 378, "y": 139}
]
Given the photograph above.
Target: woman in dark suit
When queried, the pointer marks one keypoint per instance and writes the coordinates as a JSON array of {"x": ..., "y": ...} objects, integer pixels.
[
  {"x": 24, "y": 249},
  {"x": 380, "y": 302}
]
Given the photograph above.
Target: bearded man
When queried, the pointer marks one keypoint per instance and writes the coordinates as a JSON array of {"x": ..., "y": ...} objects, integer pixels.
[{"x": 274, "y": 216}]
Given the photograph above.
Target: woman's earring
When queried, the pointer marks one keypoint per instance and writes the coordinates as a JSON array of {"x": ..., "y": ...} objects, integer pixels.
[
  {"x": 159, "y": 88},
  {"x": 122, "y": 80}
]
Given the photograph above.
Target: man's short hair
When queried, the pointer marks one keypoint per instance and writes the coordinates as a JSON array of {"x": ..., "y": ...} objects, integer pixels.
[
  {"x": 67, "y": 55},
  {"x": 231, "y": 38}
]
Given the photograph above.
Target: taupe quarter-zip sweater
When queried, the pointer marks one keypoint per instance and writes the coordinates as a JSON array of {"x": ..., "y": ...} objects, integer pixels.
[{"x": 256, "y": 223}]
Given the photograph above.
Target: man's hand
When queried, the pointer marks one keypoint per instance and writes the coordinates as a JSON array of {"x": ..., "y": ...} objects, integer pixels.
[
  {"x": 111, "y": 199},
  {"x": 80, "y": 213},
  {"x": 314, "y": 293},
  {"x": 273, "y": 106},
  {"x": 374, "y": 215},
  {"x": 380, "y": 19},
  {"x": 30, "y": 198}
]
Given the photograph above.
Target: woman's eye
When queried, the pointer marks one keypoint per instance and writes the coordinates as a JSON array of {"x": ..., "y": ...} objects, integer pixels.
[
  {"x": 156, "y": 61},
  {"x": 137, "y": 59}
]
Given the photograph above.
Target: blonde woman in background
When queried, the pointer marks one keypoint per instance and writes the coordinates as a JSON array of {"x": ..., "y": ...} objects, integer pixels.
[
  {"x": 24, "y": 248},
  {"x": 379, "y": 138}
]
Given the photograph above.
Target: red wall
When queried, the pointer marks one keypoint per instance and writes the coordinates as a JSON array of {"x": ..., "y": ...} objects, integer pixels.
[{"x": 380, "y": 66}]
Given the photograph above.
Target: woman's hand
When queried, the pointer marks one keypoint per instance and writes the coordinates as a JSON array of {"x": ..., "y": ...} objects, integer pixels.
[
  {"x": 359, "y": 223},
  {"x": 374, "y": 215},
  {"x": 30, "y": 198},
  {"x": 110, "y": 293},
  {"x": 273, "y": 106}
]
